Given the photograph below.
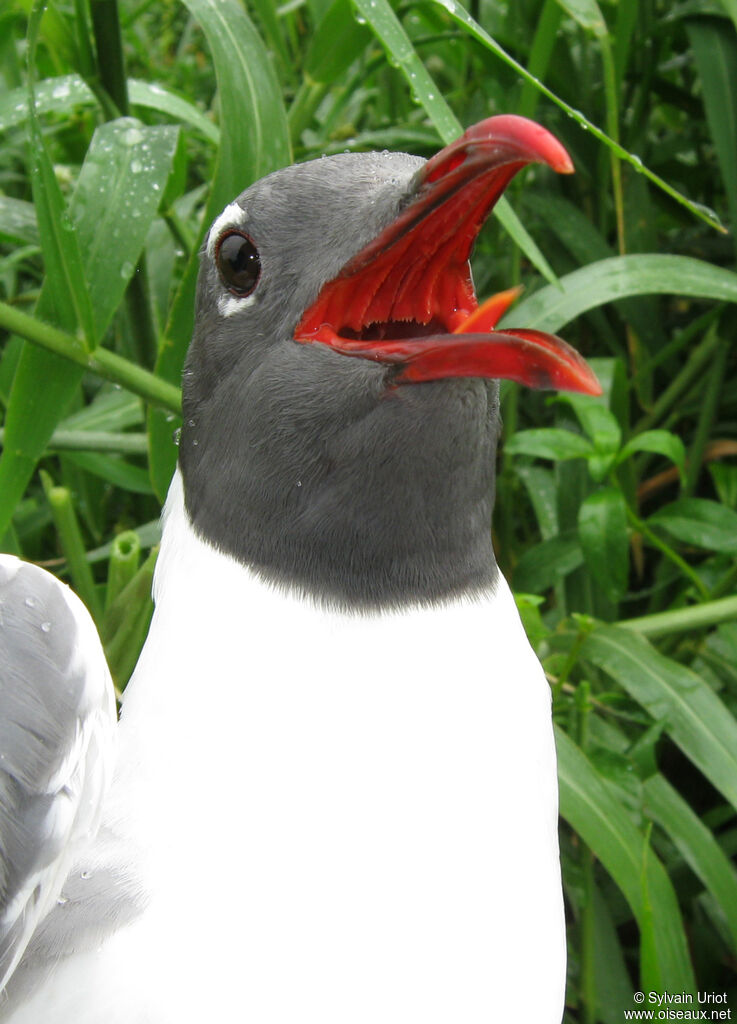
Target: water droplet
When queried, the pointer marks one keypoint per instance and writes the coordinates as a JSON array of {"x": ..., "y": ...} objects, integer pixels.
[
  {"x": 30, "y": 602},
  {"x": 299, "y": 483},
  {"x": 707, "y": 212},
  {"x": 177, "y": 436},
  {"x": 62, "y": 900},
  {"x": 195, "y": 442},
  {"x": 191, "y": 423},
  {"x": 45, "y": 627},
  {"x": 85, "y": 874},
  {"x": 132, "y": 136}
]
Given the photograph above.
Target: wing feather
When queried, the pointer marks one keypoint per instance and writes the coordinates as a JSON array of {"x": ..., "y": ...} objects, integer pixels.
[{"x": 57, "y": 733}]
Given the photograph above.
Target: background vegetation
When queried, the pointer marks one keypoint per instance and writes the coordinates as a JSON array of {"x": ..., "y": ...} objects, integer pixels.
[{"x": 126, "y": 129}]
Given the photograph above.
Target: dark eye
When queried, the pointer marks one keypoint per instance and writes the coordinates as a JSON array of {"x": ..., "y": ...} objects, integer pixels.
[{"x": 238, "y": 262}]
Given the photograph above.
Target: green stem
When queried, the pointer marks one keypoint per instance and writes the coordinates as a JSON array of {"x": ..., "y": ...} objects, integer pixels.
[
  {"x": 612, "y": 117},
  {"x": 101, "y": 362},
  {"x": 543, "y": 44},
  {"x": 585, "y": 626},
  {"x": 668, "y": 551},
  {"x": 141, "y": 315},
  {"x": 698, "y": 616},
  {"x": 109, "y": 44},
  {"x": 681, "y": 383},
  {"x": 126, "y": 622},
  {"x": 308, "y": 98},
  {"x": 180, "y": 232},
  {"x": 587, "y": 923},
  {"x": 707, "y": 414},
  {"x": 726, "y": 584},
  {"x": 123, "y": 566},
  {"x": 72, "y": 545},
  {"x": 94, "y": 441}
]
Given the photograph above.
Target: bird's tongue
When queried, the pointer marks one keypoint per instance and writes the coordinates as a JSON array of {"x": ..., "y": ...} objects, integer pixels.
[{"x": 407, "y": 298}]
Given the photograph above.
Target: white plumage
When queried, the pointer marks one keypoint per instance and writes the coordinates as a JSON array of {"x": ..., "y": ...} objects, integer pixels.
[{"x": 348, "y": 818}]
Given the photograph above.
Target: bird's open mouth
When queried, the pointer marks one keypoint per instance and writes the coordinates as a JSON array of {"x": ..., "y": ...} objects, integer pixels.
[{"x": 407, "y": 298}]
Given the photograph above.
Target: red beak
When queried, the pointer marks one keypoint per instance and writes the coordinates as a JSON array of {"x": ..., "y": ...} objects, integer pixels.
[{"x": 407, "y": 298}]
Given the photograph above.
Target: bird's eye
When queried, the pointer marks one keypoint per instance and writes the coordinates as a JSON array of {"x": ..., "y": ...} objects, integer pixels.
[{"x": 238, "y": 262}]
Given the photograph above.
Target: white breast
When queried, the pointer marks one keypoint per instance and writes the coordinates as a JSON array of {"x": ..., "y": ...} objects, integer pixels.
[{"x": 347, "y": 819}]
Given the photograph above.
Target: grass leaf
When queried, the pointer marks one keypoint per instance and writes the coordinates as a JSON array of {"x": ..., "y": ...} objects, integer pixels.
[
  {"x": 602, "y": 530},
  {"x": 695, "y": 717},
  {"x": 701, "y": 522},
  {"x": 590, "y": 805},
  {"x": 696, "y": 844},
  {"x": 552, "y": 308}
]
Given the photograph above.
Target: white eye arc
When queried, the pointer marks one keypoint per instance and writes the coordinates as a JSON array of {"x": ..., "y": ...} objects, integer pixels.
[{"x": 233, "y": 216}]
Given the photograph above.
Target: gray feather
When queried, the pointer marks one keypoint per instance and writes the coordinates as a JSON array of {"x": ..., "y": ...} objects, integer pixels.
[{"x": 57, "y": 718}]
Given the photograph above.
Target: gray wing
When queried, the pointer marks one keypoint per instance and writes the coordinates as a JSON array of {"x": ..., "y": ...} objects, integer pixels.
[{"x": 57, "y": 738}]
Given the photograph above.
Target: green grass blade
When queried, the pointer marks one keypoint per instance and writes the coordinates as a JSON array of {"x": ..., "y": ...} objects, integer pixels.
[
  {"x": 602, "y": 531},
  {"x": 257, "y": 140},
  {"x": 552, "y": 307},
  {"x": 110, "y": 410},
  {"x": 62, "y": 94},
  {"x": 117, "y": 195},
  {"x": 596, "y": 812},
  {"x": 156, "y": 97},
  {"x": 338, "y": 40},
  {"x": 388, "y": 29},
  {"x": 268, "y": 16},
  {"x": 540, "y": 53},
  {"x": 588, "y": 15},
  {"x": 613, "y": 985},
  {"x": 18, "y": 223},
  {"x": 696, "y": 844},
  {"x": 730, "y": 6},
  {"x": 58, "y": 95},
  {"x": 64, "y": 281},
  {"x": 714, "y": 45},
  {"x": 113, "y": 469},
  {"x": 695, "y": 717}
]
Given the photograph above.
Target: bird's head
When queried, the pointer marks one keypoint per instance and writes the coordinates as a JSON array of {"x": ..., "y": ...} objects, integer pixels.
[{"x": 340, "y": 395}]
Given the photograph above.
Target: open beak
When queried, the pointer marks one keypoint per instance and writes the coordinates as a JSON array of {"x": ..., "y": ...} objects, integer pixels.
[{"x": 407, "y": 298}]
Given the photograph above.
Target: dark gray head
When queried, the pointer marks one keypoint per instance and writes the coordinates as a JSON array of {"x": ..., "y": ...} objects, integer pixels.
[{"x": 326, "y": 441}]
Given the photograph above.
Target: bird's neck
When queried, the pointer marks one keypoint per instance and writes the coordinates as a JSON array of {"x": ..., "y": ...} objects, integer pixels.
[{"x": 370, "y": 518}]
